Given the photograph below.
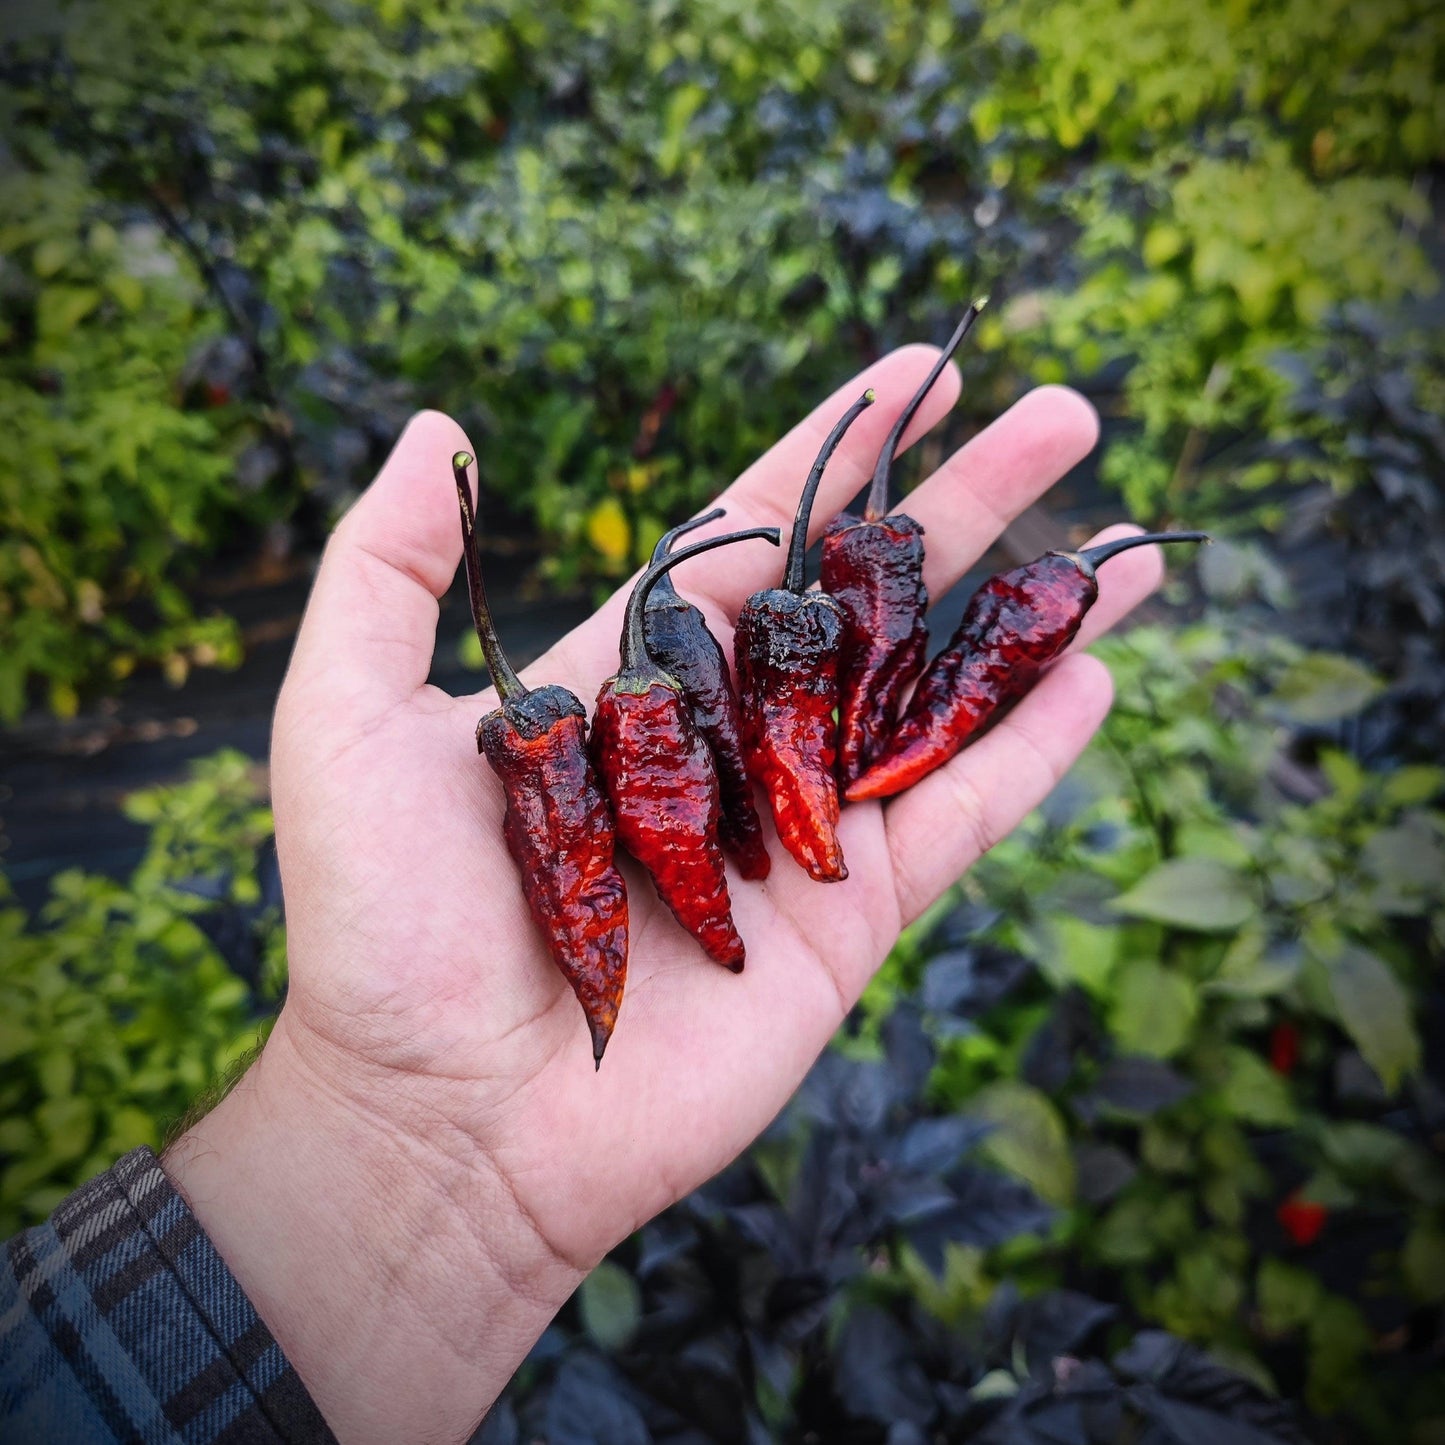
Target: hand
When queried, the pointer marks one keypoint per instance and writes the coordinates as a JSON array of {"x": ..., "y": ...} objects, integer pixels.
[{"x": 422, "y": 1165}]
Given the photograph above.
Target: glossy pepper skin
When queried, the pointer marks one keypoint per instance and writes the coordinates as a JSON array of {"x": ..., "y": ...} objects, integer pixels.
[
  {"x": 786, "y": 650},
  {"x": 557, "y": 825},
  {"x": 659, "y": 776},
  {"x": 679, "y": 641},
  {"x": 873, "y": 567},
  {"x": 1014, "y": 626}
]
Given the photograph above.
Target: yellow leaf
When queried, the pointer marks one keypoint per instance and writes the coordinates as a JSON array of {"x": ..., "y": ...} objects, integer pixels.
[{"x": 608, "y": 530}]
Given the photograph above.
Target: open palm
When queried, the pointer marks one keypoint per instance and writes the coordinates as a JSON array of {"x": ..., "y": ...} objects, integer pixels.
[{"x": 421, "y": 994}]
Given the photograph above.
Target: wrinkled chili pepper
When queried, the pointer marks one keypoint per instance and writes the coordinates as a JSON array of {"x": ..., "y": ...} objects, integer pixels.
[
  {"x": 787, "y": 667},
  {"x": 1013, "y": 627},
  {"x": 678, "y": 640},
  {"x": 557, "y": 825},
  {"x": 660, "y": 778},
  {"x": 873, "y": 566}
]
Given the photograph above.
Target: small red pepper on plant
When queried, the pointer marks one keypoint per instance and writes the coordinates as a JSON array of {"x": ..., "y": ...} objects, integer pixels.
[
  {"x": 1013, "y": 627},
  {"x": 678, "y": 640},
  {"x": 786, "y": 649},
  {"x": 557, "y": 825},
  {"x": 1284, "y": 1048},
  {"x": 660, "y": 778},
  {"x": 873, "y": 565},
  {"x": 1302, "y": 1219}
]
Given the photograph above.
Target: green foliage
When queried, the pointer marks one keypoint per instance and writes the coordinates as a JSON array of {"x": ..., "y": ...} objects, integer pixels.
[
  {"x": 116, "y": 1010},
  {"x": 1190, "y": 891},
  {"x": 105, "y": 480},
  {"x": 252, "y": 239}
]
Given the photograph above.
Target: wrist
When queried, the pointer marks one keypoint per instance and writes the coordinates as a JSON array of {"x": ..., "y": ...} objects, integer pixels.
[{"x": 385, "y": 1253}]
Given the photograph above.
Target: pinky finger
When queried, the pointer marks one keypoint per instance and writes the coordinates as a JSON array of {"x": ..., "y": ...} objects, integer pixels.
[{"x": 944, "y": 824}]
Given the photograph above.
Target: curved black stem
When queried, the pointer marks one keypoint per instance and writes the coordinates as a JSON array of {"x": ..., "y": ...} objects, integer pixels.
[
  {"x": 1095, "y": 556},
  {"x": 509, "y": 686},
  {"x": 634, "y": 642},
  {"x": 798, "y": 543},
  {"x": 664, "y": 588},
  {"x": 878, "y": 492}
]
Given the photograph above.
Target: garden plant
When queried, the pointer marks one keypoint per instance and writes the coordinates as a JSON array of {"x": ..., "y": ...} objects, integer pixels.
[{"x": 1138, "y": 1135}]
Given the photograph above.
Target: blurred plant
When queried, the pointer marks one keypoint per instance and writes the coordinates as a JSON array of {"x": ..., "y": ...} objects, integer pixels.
[
  {"x": 1186, "y": 992},
  {"x": 627, "y": 267},
  {"x": 790, "y": 1300},
  {"x": 129, "y": 1001}
]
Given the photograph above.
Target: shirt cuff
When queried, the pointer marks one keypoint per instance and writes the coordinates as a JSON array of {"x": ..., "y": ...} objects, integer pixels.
[{"x": 118, "y": 1320}]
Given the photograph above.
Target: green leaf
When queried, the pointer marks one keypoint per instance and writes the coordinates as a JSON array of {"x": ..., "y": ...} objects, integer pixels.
[
  {"x": 1028, "y": 1139},
  {"x": 1423, "y": 1261},
  {"x": 1324, "y": 687},
  {"x": 55, "y": 1069},
  {"x": 1286, "y": 1296},
  {"x": 1251, "y": 968},
  {"x": 67, "y": 1125},
  {"x": 1374, "y": 1010},
  {"x": 611, "y": 1305},
  {"x": 62, "y": 308},
  {"x": 15, "y": 1040},
  {"x": 1253, "y": 1092},
  {"x": 1073, "y": 950},
  {"x": 1201, "y": 894},
  {"x": 1153, "y": 1009}
]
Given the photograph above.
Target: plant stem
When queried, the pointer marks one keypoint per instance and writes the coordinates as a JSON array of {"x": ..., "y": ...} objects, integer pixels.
[
  {"x": 798, "y": 543},
  {"x": 510, "y": 687}
]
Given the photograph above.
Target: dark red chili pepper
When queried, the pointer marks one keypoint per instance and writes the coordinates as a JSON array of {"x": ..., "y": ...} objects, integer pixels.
[
  {"x": 557, "y": 825},
  {"x": 1013, "y": 627},
  {"x": 678, "y": 640},
  {"x": 786, "y": 649},
  {"x": 660, "y": 778},
  {"x": 873, "y": 565}
]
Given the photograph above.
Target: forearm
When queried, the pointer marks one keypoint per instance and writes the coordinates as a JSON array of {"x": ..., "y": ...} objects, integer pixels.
[{"x": 391, "y": 1264}]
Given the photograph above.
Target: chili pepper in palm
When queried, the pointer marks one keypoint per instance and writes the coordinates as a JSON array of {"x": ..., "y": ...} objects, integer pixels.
[
  {"x": 557, "y": 824},
  {"x": 678, "y": 640},
  {"x": 786, "y": 649},
  {"x": 873, "y": 566},
  {"x": 660, "y": 777},
  {"x": 1013, "y": 627}
]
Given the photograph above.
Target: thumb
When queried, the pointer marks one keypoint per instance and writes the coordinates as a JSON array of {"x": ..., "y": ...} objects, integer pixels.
[{"x": 370, "y": 626}]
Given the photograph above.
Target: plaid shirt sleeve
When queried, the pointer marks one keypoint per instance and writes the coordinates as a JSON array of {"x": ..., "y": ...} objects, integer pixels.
[{"x": 119, "y": 1321}]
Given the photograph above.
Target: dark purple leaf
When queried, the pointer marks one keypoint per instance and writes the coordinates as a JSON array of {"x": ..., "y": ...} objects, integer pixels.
[
  {"x": 934, "y": 1146},
  {"x": 587, "y": 1406},
  {"x": 1140, "y": 1086},
  {"x": 499, "y": 1428},
  {"x": 910, "y": 1201},
  {"x": 664, "y": 1239},
  {"x": 1101, "y": 1171},
  {"x": 991, "y": 1209},
  {"x": 910, "y": 1054},
  {"x": 971, "y": 980},
  {"x": 1191, "y": 1425},
  {"x": 1060, "y": 1322},
  {"x": 875, "y": 1374},
  {"x": 1051, "y": 1054},
  {"x": 1057, "y": 1422}
]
